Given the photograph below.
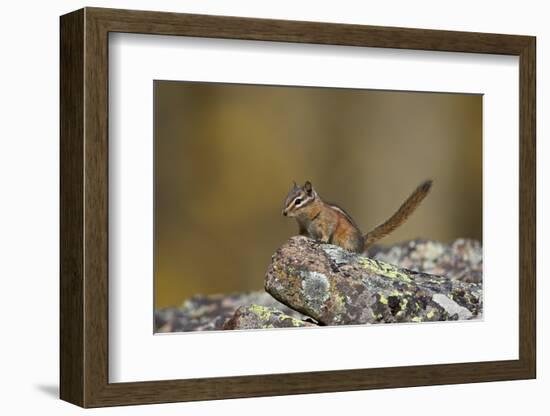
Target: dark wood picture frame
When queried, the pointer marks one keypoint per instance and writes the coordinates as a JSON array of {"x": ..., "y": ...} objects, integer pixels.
[{"x": 84, "y": 207}]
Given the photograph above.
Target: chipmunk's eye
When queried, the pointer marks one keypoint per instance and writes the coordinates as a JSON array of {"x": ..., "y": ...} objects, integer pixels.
[{"x": 297, "y": 201}]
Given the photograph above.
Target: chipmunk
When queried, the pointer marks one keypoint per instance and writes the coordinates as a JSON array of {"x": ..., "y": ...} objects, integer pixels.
[{"x": 329, "y": 223}]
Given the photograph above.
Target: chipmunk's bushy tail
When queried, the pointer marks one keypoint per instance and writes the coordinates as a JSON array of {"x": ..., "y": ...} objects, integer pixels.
[{"x": 400, "y": 216}]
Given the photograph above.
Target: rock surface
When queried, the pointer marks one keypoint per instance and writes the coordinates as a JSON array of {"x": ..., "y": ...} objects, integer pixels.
[
  {"x": 337, "y": 287},
  {"x": 261, "y": 317},
  {"x": 462, "y": 259},
  {"x": 209, "y": 312}
]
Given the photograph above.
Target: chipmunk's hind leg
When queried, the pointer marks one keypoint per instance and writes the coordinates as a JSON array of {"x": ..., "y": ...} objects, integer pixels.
[{"x": 349, "y": 238}]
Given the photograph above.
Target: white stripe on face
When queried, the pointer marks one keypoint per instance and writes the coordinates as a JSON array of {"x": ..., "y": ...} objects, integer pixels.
[{"x": 300, "y": 201}]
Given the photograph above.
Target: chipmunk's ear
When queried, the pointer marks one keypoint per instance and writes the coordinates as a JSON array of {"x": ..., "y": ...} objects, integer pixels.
[{"x": 308, "y": 187}]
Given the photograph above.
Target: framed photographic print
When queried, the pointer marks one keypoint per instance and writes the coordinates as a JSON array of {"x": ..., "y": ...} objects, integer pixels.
[{"x": 255, "y": 207}]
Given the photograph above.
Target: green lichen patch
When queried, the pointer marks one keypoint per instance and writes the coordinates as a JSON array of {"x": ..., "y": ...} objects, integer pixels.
[
  {"x": 261, "y": 312},
  {"x": 261, "y": 317},
  {"x": 384, "y": 269}
]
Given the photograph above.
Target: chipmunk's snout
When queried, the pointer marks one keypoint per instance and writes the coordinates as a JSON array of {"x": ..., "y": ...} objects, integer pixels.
[{"x": 288, "y": 211}]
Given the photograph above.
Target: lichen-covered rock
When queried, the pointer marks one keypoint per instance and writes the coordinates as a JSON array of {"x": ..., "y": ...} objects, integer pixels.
[
  {"x": 261, "y": 317},
  {"x": 337, "y": 287},
  {"x": 209, "y": 312},
  {"x": 462, "y": 259}
]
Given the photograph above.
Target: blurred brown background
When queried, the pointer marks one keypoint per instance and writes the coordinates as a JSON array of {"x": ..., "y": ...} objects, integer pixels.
[{"x": 226, "y": 156}]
